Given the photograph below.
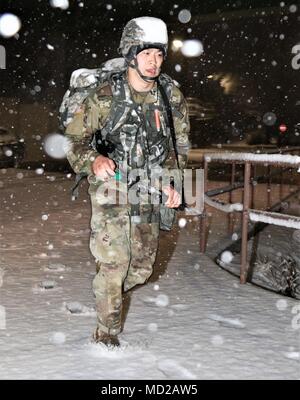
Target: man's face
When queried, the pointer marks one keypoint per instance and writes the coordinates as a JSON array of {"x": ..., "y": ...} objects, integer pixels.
[{"x": 150, "y": 61}]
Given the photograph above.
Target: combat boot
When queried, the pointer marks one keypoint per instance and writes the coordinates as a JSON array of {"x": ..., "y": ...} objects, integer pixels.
[{"x": 105, "y": 338}]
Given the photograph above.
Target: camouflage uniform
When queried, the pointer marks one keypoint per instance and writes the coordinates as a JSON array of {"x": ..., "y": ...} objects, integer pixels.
[{"x": 124, "y": 247}]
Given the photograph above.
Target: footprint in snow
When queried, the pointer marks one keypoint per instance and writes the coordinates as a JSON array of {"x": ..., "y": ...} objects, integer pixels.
[
  {"x": 45, "y": 285},
  {"x": 173, "y": 370},
  {"x": 75, "y": 307},
  {"x": 126, "y": 349},
  {"x": 148, "y": 299},
  {"x": 100, "y": 350},
  {"x": 75, "y": 243},
  {"x": 180, "y": 307},
  {"x": 56, "y": 267},
  {"x": 227, "y": 322}
]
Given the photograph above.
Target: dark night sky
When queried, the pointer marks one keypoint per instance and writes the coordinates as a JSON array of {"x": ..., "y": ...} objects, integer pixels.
[
  {"x": 81, "y": 32},
  {"x": 239, "y": 37}
]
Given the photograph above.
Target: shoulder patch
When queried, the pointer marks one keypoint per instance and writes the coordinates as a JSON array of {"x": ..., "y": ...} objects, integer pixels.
[{"x": 176, "y": 96}]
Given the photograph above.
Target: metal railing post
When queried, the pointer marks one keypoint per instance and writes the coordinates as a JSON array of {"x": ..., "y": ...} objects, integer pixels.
[
  {"x": 203, "y": 216},
  {"x": 269, "y": 187},
  {"x": 246, "y": 200},
  {"x": 230, "y": 215},
  {"x": 281, "y": 185},
  {"x": 254, "y": 183}
]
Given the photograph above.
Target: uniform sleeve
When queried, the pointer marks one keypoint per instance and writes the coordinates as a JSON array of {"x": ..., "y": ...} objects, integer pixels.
[
  {"x": 79, "y": 132},
  {"x": 182, "y": 130}
]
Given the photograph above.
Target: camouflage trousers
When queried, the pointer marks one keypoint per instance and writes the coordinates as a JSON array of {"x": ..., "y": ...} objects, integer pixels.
[{"x": 125, "y": 249}]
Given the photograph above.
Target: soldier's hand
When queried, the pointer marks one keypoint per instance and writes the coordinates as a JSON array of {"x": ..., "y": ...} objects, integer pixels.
[
  {"x": 174, "y": 198},
  {"x": 103, "y": 167}
]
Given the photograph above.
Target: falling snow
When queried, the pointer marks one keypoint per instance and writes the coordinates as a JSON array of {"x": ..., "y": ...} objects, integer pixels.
[
  {"x": 192, "y": 320},
  {"x": 226, "y": 257},
  {"x": 55, "y": 145},
  {"x": 184, "y": 16},
  {"x": 50, "y": 47},
  {"x": 192, "y": 48},
  {"x": 10, "y": 24},
  {"x": 63, "y": 4}
]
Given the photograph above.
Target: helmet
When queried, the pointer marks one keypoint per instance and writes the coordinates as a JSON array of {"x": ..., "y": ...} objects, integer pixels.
[{"x": 142, "y": 33}]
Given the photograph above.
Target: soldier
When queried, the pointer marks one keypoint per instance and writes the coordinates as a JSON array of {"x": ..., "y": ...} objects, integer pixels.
[{"x": 128, "y": 112}]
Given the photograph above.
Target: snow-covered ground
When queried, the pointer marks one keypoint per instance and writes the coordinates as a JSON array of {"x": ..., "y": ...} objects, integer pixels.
[{"x": 191, "y": 321}]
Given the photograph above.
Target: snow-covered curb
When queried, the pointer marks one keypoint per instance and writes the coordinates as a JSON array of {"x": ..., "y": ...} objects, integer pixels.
[
  {"x": 265, "y": 158},
  {"x": 275, "y": 219},
  {"x": 223, "y": 207}
]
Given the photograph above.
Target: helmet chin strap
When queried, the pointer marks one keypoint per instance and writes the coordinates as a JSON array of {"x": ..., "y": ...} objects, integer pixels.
[{"x": 136, "y": 67}]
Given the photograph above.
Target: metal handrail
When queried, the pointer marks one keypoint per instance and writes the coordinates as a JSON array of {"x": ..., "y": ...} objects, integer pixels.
[{"x": 250, "y": 160}]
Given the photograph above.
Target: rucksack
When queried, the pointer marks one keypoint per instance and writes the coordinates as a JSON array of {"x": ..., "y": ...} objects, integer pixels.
[{"x": 82, "y": 82}]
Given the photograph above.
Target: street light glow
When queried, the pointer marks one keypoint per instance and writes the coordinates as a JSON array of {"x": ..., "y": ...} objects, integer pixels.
[{"x": 176, "y": 44}]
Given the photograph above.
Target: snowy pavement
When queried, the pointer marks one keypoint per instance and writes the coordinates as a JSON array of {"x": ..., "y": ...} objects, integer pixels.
[{"x": 191, "y": 321}]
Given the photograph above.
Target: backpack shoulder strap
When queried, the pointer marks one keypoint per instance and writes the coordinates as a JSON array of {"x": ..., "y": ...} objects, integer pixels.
[
  {"x": 165, "y": 94},
  {"x": 167, "y": 83},
  {"x": 172, "y": 130}
]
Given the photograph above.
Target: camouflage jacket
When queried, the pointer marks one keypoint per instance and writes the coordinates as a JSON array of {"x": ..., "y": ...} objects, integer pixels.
[{"x": 93, "y": 115}]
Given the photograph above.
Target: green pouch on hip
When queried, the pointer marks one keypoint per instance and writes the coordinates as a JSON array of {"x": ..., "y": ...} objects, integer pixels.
[{"x": 167, "y": 217}]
